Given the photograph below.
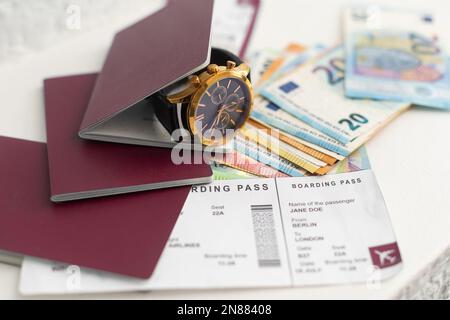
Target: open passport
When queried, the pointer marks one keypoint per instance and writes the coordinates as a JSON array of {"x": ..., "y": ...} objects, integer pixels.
[{"x": 82, "y": 169}]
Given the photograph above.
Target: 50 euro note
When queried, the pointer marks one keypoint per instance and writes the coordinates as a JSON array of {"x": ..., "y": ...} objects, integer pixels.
[
  {"x": 314, "y": 94},
  {"x": 260, "y": 61},
  {"x": 286, "y": 57},
  {"x": 395, "y": 55},
  {"x": 292, "y": 56},
  {"x": 269, "y": 64}
]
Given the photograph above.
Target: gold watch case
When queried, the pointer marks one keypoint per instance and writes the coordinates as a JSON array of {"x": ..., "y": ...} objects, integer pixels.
[{"x": 198, "y": 85}]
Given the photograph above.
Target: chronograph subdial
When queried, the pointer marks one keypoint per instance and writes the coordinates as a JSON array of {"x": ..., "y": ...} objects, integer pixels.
[
  {"x": 233, "y": 102},
  {"x": 223, "y": 121},
  {"x": 219, "y": 94}
]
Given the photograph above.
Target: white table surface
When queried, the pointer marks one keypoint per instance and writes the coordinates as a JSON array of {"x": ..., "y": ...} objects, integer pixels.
[{"x": 410, "y": 157}]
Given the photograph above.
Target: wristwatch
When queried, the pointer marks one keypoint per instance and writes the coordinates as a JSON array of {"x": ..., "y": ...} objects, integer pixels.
[{"x": 212, "y": 104}]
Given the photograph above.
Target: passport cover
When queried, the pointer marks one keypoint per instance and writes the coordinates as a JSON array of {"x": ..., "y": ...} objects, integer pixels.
[
  {"x": 124, "y": 234},
  {"x": 84, "y": 169},
  {"x": 150, "y": 55}
]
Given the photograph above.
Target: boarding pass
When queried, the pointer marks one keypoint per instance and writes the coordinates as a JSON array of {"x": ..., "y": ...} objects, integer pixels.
[{"x": 257, "y": 233}]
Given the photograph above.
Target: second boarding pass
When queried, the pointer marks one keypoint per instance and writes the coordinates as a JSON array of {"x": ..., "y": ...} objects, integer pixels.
[{"x": 257, "y": 233}]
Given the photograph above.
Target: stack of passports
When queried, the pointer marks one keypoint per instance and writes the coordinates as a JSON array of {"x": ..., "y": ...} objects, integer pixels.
[
  {"x": 127, "y": 233},
  {"x": 124, "y": 234}
]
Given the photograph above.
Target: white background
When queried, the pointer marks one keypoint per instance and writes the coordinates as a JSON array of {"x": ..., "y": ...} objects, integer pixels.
[{"x": 410, "y": 157}]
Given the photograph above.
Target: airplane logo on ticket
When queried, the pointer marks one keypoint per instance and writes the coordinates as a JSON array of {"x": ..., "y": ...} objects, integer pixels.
[{"x": 385, "y": 256}]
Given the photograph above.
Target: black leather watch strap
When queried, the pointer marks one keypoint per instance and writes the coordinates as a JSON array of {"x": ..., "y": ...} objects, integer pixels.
[{"x": 167, "y": 112}]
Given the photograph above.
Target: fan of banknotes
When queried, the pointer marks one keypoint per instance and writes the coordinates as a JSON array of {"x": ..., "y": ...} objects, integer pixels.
[{"x": 315, "y": 107}]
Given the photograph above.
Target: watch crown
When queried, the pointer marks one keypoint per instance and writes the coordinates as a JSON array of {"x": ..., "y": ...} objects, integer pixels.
[
  {"x": 231, "y": 65},
  {"x": 195, "y": 80},
  {"x": 213, "y": 68}
]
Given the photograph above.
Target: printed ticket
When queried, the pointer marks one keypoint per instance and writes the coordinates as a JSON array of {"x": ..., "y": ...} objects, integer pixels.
[
  {"x": 232, "y": 24},
  {"x": 257, "y": 233}
]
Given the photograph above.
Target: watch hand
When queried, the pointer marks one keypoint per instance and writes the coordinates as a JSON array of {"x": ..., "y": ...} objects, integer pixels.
[
  {"x": 220, "y": 111},
  {"x": 216, "y": 119},
  {"x": 224, "y": 120},
  {"x": 233, "y": 106}
]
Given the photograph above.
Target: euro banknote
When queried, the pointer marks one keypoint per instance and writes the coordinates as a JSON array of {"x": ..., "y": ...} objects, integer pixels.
[
  {"x": 267, "y": 112},
  {"x": 233, "y": 168},
  {"x": 313, "y": 150},
  {"x": 239, "y": 161},
  {"x": 314, "y": 93},
  {"x": 260, "y": 61},
  {"x": 286, "y": 57},
  {"x": 224, "y": 172},
  {"x": 284, "y": 150},
  {"x": 272, "y": 68},
  {"x": 293, "y": 56},
  {"x": 357, "y": 161},
  {"x": 264, "y": 156},
  {"x": 395, "y": 55}
]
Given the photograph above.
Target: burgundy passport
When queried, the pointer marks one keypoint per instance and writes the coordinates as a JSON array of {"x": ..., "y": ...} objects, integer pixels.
[
  {"x": 124, "y": 234},
  {"x": 143, "y": 59},
  {"x": 84, "y": 169},
  {"x": 146, "y": 57}
]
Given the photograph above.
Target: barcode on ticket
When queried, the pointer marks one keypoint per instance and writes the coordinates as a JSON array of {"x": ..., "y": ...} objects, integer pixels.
[{"x": 265, "y": 236}]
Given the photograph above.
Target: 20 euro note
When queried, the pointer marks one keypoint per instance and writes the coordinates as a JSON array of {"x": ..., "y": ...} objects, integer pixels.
[
  {"x": 314, "y": 93},
  {"x": 395, "y": 55},
  {"x": 291, "y": 57},
  {"x": 267, "y": 112}
]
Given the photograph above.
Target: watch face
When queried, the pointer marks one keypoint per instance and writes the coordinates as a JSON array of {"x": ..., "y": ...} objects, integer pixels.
[{"x": 224, "y": 106}]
